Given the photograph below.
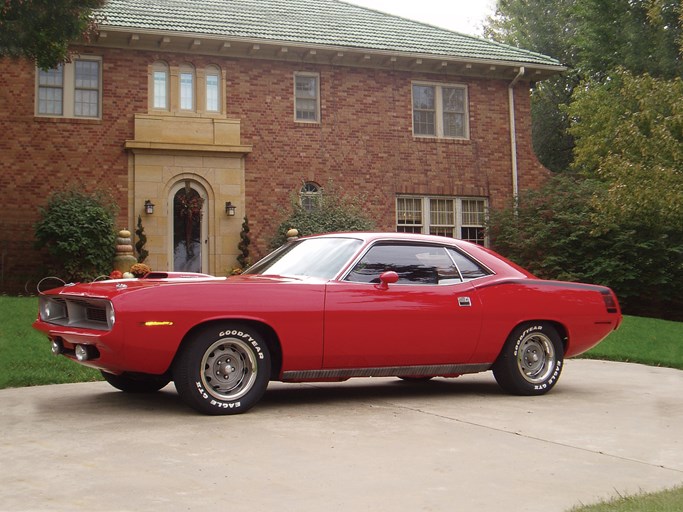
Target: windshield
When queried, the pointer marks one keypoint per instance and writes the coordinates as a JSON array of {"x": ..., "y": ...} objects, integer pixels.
[{"x": 313, "y": 257}]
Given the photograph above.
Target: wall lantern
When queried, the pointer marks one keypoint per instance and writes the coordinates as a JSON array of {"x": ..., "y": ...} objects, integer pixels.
[
  {"x": 230, "y": 209},
  {"x": 149, "y": 207}
]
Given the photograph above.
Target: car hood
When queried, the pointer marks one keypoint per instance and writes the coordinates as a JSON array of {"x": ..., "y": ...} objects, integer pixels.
[
  {"x": 117, "y": 287},
  {"x": 114, "y": 287}
]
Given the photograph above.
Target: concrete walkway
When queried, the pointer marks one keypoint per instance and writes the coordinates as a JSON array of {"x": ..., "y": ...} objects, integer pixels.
[{"x": 364, "y": 445}]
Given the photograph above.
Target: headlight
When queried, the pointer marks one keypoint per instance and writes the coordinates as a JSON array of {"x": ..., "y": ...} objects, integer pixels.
[{"x": 52, "y": 309}]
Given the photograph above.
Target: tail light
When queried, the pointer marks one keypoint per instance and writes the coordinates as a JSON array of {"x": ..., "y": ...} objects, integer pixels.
[{"x": 610, "y": 301}]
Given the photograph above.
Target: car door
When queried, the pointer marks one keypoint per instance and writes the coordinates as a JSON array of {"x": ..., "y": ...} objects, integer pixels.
[{"x": 430, "y": 316}]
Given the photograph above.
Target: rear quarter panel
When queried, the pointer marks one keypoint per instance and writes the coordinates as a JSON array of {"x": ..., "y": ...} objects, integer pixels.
[{"x": 579, "y": 309}]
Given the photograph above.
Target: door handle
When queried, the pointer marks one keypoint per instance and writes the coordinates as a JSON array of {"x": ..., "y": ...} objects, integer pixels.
[{"x": 464, "y": 302}]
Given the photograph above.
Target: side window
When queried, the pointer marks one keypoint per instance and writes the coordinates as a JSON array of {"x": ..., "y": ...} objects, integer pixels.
[
  {"x": 468, "y": 268},
  {"x": 456, "y": 217},
  {"x": 440, "y": 111},
  {"x": 160, "y": 85},
  {"x": 454, "y": 112},
  {"x": 414, "y": 264},
  {"x": 472, "y": 220},
  {"x": 51, "y": 91},
  {"x": 87, "y": 88},
  {"x": 310, "y": 196},
  {"x": 307, "y": 97},
  {"x": 213, "y": 89},
  {"x": 71, "y": 90},
  {"x": 409, "y": 215},
  {"x": 424, "y": 110},
  {"x": 187, "y": 87}
]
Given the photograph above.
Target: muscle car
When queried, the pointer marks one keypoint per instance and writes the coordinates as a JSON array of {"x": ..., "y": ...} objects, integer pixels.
[{"x": 328, "y": 308}]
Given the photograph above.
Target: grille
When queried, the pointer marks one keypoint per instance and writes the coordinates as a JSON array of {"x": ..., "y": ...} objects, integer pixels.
[
  {"x": 77, "y": 312},
  {"x": 96, "y": 314}
]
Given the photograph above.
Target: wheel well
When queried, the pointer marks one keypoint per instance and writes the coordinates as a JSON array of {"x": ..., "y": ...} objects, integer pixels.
[
  {"x": 269, "y": 335},
  {"x": 561, "y": 330}
]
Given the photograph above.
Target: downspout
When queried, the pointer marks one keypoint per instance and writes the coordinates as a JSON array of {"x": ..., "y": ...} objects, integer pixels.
[{"x": 513, "y": 134}]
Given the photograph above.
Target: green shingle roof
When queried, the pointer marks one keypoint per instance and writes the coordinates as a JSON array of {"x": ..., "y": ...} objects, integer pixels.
[{"x": 314, "y": 22}]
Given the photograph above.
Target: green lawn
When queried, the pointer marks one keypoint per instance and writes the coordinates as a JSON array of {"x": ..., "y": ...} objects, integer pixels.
[
  {"x": 665, "y": 501},
  {"x": 25, "y": 360},
  {"x": 643, "y": 340},
  {"x": 25, "y": 357}
]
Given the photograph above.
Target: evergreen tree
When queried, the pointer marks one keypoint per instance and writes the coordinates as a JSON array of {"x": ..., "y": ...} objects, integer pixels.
[
  {"x": 142, "y": 240},
  {"x": 243, "y": 246}
]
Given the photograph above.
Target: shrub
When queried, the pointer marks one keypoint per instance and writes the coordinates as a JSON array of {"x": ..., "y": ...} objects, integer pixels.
[
  {"x": 77, "y": 230},
  {"x": 557, "y": 233},
  {"x": 333, "y": 213}
]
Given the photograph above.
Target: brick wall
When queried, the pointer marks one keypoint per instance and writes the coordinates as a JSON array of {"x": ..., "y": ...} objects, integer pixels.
[
  {"x": 364, "y": 144},
  {"x": 41, "y": 155}
]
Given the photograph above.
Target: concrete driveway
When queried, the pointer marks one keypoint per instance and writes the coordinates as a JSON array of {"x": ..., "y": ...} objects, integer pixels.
[{"x": 363, "y": 445}]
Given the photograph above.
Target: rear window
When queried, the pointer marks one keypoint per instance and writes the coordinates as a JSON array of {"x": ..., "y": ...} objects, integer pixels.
[{"x": 469, "y": 269}]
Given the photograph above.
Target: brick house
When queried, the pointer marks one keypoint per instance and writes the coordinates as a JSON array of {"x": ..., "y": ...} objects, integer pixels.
[{"x": 250, "y": 103}]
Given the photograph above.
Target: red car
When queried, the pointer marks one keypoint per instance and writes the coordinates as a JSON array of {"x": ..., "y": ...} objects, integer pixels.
[{"x": 325, "y": 308}]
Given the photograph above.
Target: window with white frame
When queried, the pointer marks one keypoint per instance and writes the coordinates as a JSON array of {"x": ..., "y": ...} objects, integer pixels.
[
  {"x": 307, "y": 97},
  {"x": 454, "y": 217},
  {"x": 440, "y": 111},
  {"x": 310, "y": 196},
  {"x": 87, "y": 88},
  {"x": 472, "y": 220},
  {"x": 73, "y": 89},
  {"x": 409, "y": 215},
  {"x": 51, "y": 91},
  {"x": 187, "y": 92},
  {"x": 213, "y": 89},
  {"x": 194, "y": 90},
  {"x": 160, "y": 86}
]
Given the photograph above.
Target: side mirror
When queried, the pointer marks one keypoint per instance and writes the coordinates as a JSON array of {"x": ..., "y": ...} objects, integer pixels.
[{"x": 387, "y": 278}]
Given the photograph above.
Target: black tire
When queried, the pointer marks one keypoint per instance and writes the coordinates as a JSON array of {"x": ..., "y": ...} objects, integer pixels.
[
  {"x": 223, "y": 369},
  {"x": 136, "y": 383},
  {"x": 531, "y": 360}
]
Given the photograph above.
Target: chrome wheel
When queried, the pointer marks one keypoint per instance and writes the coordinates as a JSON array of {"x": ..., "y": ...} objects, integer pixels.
[
  {"x": 536, "y": 357},
  {"x": 531, "y": 359},
  {"x": 229, "y": 369}
]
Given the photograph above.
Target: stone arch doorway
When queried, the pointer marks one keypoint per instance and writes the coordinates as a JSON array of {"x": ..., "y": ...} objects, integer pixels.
[{"x": 188, "y": 237}]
